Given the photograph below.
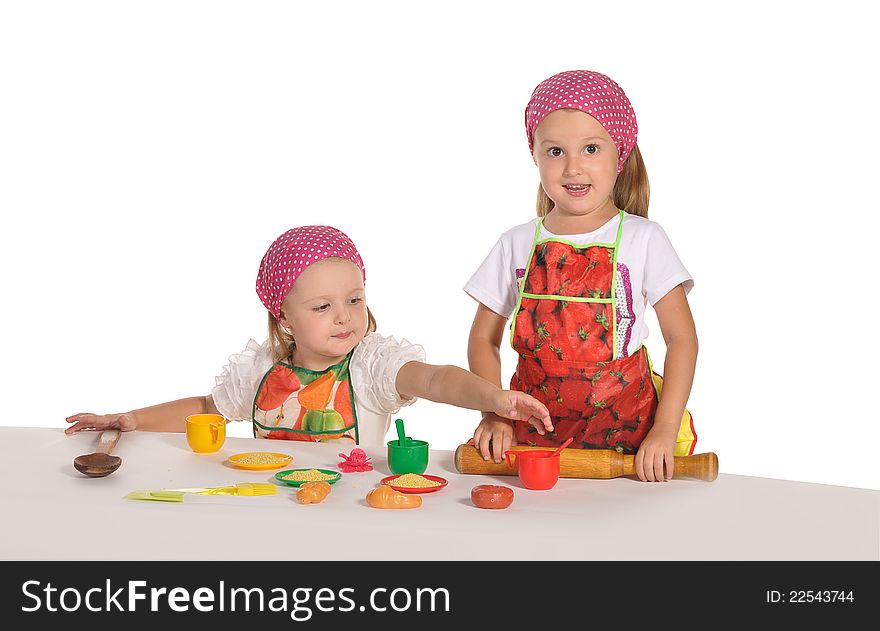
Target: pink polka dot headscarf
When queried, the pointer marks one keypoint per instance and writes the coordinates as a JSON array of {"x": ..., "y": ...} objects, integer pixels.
[
  {"x": 293, "y": 252},
  {"x": 592, "y": 93}
]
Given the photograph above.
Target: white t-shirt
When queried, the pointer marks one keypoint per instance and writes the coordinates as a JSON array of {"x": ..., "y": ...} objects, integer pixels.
[
  {"x": 647, "y": 269},
  {"x": 373, "y": 369}
]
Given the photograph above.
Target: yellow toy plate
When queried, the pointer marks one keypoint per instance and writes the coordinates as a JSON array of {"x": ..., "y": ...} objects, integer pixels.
[{"x": 278, "y": 460}]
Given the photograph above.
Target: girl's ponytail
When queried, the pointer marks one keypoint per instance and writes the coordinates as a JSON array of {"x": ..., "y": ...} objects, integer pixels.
[
  {"x": 281, "y": 342},
  {"x": 545, "y": 204},
  {"x": 631, "y": 190}
]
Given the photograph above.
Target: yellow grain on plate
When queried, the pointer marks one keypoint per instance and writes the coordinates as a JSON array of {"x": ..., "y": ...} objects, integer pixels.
[
  {"x": 260, "y": 458},
  {"x": 413, "y": 481},
  {"x": 312, "y": 475}
]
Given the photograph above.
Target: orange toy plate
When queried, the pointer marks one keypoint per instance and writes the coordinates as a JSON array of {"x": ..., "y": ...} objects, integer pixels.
[
  {"x": 282, "y": 460},
  {"x": 389, "y": 481}
]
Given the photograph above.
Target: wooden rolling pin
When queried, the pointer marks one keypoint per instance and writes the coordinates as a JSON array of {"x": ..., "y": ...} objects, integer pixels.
[{"x": 588, "y": 463}]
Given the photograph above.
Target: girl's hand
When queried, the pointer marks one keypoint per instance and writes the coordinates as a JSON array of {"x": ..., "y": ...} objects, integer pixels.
[
  {"x": 523, "y": 407},
  {"x": 498, "y": 432},
  {"x": 655, "y": 453},
  {"x": 85, "y": 420}
]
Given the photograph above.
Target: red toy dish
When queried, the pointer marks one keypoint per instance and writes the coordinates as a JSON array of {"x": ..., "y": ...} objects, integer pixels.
[{"x": 413, "y": 489}]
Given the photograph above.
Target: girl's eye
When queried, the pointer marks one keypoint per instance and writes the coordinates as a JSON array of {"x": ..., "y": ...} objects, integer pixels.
[
  {"x": 354, "y": 301},
  {"x": 591, "y": 149},
  {"x": 554, "y": 152},
  {"x": 321, "y": 308}
]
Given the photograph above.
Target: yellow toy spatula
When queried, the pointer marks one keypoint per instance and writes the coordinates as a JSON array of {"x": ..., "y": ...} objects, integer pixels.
[
  {"x": 177, "y": 495},
  {"x": 244, "y": 488},
  {"x": 148, "y": 496}
]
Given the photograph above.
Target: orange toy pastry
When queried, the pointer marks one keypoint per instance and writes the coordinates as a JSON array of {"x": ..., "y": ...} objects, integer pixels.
[
  {"x": 312, "y": 492},
  {"x": 386, "y": 497}
]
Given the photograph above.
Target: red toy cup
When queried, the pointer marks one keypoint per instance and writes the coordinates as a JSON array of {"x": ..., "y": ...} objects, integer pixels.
[{"x": 538, "y": 469}]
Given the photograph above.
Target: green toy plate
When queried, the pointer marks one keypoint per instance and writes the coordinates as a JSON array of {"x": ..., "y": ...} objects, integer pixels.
[{"x": 280, "y": 476}]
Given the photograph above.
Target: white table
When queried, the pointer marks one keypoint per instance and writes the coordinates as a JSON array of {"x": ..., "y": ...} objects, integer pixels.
[{"x": 54, "y": 512}]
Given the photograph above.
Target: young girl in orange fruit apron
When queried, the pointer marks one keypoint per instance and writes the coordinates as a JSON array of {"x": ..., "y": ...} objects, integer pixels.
[
  {"x": 285, "y": 401},
  {"x": 576, "y": 306}
]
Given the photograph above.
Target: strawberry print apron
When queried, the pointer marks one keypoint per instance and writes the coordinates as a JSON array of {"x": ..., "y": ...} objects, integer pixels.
[
  {"x": 294, "y": 403},
  {"x": 564, "y": 330}
]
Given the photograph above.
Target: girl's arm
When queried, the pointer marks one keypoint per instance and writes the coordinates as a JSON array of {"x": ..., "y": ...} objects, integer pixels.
[
  {"x": 484, "y": 343},
  {"x": 680, "y": 334},
  {"x": 164, "y": 417},
  {"x": 456, "y": 386},
  {"x": 494, "y": 435}
]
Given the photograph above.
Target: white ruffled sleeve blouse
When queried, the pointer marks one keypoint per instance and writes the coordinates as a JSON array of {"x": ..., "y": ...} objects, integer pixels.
[{"x": 373, "y": 368}]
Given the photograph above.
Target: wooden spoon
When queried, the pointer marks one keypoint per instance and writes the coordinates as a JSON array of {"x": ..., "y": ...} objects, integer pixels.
[{"x": 100, "y": 463}]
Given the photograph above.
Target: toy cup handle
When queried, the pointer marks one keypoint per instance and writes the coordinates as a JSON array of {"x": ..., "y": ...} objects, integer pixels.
[
  {"x": 215, "y": 430},
  {"x": 507, "y": 457}
]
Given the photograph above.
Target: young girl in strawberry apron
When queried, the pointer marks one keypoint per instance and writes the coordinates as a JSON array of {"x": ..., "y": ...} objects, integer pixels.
[
  {"x": 575, "y": 283},
  {"x": 323, "y": 373}
]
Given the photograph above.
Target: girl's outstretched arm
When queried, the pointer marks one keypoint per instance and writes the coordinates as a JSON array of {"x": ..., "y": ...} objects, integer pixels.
[
  {"x": 680, "y": 334},
  {"x": 164, "y": 417},
  {"x": 456, "y": 386}
]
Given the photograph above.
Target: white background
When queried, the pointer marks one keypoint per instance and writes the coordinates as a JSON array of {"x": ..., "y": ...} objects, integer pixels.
[{"x": 151, "y": 151}]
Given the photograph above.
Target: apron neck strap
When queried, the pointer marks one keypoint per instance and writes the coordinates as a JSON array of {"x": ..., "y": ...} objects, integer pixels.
[
  {"x": 620, "y": 214},
  {"x": 619, "y": 230}
]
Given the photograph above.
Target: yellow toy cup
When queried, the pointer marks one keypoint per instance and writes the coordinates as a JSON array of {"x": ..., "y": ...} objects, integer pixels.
[{"x": 205, "y": 433}]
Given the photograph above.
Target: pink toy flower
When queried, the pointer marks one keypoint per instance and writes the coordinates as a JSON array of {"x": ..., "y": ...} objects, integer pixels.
[{"x": 355, "y": 461}]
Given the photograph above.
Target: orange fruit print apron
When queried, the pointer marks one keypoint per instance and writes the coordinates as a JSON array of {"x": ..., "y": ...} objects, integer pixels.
[
  {"x": 568, "y": 329},
  {"x": 294, "y": 403}
]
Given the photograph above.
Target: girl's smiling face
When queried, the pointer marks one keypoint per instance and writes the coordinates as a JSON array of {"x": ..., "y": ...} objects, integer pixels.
[
  {"x": 326, "y": 312},
  {"x": 577, "y": 162}
]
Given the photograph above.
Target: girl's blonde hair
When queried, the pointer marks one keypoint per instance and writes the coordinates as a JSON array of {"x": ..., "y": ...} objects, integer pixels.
[
  {"x": 282, "y": 343},
  {"x": 631, "y": 190}
]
